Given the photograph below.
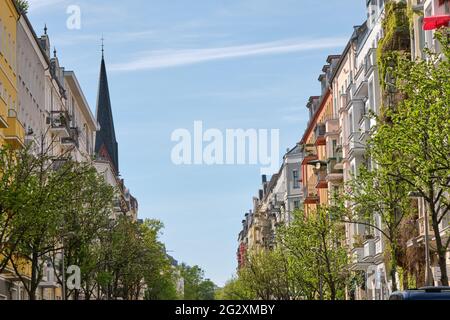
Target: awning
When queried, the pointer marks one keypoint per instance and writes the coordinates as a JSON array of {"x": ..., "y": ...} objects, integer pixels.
[{"x": 435, "y": 22}]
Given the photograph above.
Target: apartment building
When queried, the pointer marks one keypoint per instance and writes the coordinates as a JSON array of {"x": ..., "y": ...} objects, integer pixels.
[
  {"x": 277, "y": 199},
  {"x": 11, "y": 129},
  {"x": 319, "y": 143}
]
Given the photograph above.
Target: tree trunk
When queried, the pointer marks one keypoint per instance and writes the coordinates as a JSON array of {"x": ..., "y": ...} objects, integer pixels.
[
  {"x": 441, "y": 250},
  {"x": 34, "y": 277}
]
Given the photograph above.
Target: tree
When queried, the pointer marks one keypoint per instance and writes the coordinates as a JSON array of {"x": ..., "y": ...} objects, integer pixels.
[
  {"x": 23, "y": 5},
  {"x": 316, "y": 244},
  {"x": 269, "y": 275},
  {"x": 35, "y": 190},
  {"x": 196, "y": 287},
  {"x": 235, "y": 289},
  {"x": 376, "y": 193},
  {"x": 16, "y": 168},
  {"x": 412, "y": 136},
  {"x": 158, "y": 271},
  {"x": 85, "y": 219}
]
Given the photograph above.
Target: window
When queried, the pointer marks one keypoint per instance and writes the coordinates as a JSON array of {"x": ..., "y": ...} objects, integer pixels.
[
  {"x": 371, "y": 97},
  {"x": 1, "y": 36},
  {"x": 296, "y": 179},
  {"x": 296, "y": 204},
  {"x": 334, "y": 146},
  {"x": 350, "y": 119}
]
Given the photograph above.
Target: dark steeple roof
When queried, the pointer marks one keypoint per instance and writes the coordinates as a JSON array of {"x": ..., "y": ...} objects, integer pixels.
[{"x": 106, "y": 144}]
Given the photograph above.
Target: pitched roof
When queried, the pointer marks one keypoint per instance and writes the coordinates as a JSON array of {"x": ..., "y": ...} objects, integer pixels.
[{"x": 106, "y": 144}]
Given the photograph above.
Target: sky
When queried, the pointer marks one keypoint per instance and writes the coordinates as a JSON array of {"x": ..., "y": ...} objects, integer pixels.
[{"x": 232, "y": 64}]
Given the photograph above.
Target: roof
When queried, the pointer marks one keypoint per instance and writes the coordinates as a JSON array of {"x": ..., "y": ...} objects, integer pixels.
[{"x": 106, "y": 144}]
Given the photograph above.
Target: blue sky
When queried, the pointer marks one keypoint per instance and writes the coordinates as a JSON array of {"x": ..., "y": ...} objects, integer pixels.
[{"x": 230, "y": 63}]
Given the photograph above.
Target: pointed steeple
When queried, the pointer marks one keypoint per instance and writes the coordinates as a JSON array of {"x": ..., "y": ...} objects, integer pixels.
[{"x": 106, "y": 146}]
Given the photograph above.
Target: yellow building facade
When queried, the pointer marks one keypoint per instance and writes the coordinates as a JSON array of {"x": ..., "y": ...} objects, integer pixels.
[{"x": 11, "y": 130}]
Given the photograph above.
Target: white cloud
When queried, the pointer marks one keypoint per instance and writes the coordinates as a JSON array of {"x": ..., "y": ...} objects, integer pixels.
[{"x": 172, "y": 58}]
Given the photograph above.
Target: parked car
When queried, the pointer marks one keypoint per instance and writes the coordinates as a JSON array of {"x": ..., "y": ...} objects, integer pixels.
[{"x": 425, "y": 293}]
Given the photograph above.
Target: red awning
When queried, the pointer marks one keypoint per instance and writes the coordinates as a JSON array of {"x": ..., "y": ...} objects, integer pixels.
[{"x": 431, "y": 23}]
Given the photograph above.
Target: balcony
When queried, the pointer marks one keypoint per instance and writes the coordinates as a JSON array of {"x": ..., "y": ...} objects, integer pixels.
[
  {"x": 322, "y": 182},
  {"x": 356, "y": 258},
  {"x": 309, "y": 152},
  {"x": 59, "y": 163},
  {"x": 369, "y": 250},
  {"x": 49, "y": 281},
  {"x": 59, "y": 121},
  {"x": 370, "y": 62},
  {"x": 364, "y": 127},
  {"x": 3, "y": 113},
  {"x": 73, "y": 140},
  {"x": 15, "y": 133},
  {"x": 355, "y": 145},
  {"x": 362, "y": 89},
  {"x": 334, "y": 170},
  {"x": 344, "y": 101},
  {"x": 378, "y": 247},
  {"x": 319, "y": 133},
  {"x": 310, "y": 195},
  {"x": 331, "y": 125}
]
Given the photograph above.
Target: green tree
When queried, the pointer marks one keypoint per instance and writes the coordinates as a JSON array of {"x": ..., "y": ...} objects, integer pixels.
[
  {"x": 235, "y": 289},
  {"x": 196, "y": 287},
  {"x": 85, "y": 219},
  {"x": 412, "y": 137},
  {"x": 23, "y": 5},
  {"x": 319, "y": 256},
  {"x": 376, "y": 192},
  {"x": 270, "y": 275},
  {"x": 42, "y": 189}
]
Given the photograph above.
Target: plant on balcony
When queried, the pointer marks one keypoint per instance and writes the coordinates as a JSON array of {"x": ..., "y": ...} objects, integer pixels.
[
  {"x": 396, "y": 41},
  {"x": 23, "y": 5},
  {"x": 358, "y": 241},
  {"x": 413, "y": 146}
]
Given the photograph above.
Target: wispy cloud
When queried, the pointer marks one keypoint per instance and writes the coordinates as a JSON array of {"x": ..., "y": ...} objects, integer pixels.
[
  {"x": 41, "y": 4},
  {"x": 172, "y": 58}
]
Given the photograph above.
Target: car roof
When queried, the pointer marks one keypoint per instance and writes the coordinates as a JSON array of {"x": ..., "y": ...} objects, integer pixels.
[{"x": 425, "y": 293}]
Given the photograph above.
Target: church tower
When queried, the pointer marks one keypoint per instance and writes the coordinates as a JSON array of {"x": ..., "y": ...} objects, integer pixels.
[{"x": 106, "y": 146}]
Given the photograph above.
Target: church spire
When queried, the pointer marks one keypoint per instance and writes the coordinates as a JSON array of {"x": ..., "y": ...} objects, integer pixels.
[{"x": 106, "y": 146}]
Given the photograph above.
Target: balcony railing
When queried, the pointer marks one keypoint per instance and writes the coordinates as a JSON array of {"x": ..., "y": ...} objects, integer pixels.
[
  {"x": 320, "y": 130},
  {"x": 370, "y": 61},
  {"x": 308, "y": 150},
  {"x": 73, "y": 140},
  {"x": 58, "y": 163},
  {"x": 310, "y": 193},
  {"x": 59, "y": 121},
  {"x": 355, "y": 144},
  {"x": 369, "y": 249},
  {"x": 331, "y": 167},
  {"x": 3, "y": 113},
  {"x": 15, "y": 133}
]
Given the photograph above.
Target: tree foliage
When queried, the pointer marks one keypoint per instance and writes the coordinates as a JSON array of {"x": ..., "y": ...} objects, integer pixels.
[{"x": 412, "y": 138}]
